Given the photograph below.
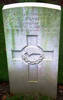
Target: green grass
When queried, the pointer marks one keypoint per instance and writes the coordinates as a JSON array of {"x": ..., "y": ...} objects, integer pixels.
[
  {"x": 29, "y": 98},
  {"x": 13, "y": 98}
]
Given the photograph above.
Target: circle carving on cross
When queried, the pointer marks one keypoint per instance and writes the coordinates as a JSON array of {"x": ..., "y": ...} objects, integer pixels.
[{"x": 33, "y": 55}]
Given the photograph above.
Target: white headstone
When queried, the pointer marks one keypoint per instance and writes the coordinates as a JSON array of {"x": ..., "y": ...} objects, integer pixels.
[{"x": 32, "y": 45}]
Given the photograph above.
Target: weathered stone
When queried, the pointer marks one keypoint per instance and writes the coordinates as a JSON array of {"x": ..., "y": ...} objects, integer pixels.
[{"x": 32, "y": 45}]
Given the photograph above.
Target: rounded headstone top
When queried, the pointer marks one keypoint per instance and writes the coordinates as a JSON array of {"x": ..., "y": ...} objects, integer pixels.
[{"x": 32, "y": 4}]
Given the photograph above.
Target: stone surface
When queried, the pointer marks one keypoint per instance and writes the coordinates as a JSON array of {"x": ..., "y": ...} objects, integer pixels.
[
  {"x": 32, "y": 44},
  {"x": 4, "y": 87}
]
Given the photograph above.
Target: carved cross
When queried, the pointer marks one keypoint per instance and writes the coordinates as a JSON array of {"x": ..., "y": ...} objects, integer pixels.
[{"x": 33, "y": 55}]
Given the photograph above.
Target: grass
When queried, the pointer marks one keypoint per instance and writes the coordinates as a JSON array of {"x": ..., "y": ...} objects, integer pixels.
[{"x": 29, "y": 98}]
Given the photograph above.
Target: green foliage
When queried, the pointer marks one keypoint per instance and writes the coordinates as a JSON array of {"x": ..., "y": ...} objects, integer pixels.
[
  {"x": 60, "y": 70},
  {"x": 3, "y": 60}
]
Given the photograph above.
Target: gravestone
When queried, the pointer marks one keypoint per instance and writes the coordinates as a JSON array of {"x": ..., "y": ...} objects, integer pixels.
[{"x": 32, "y": 45}]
